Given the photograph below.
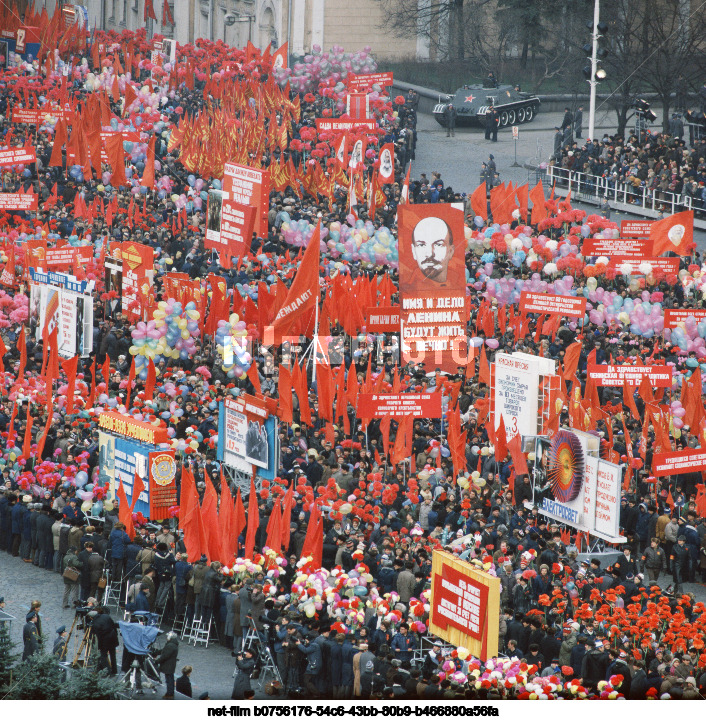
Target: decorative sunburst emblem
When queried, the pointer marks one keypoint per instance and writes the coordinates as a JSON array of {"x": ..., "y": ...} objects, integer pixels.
[{"x": 565, "y": 466}]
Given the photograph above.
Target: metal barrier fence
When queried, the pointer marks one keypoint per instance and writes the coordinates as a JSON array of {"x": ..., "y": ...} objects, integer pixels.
[{"x": 594, "y": 188}]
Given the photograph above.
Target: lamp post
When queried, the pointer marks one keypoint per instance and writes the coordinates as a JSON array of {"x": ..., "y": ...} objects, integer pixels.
[{"x": 594, "y": 66}]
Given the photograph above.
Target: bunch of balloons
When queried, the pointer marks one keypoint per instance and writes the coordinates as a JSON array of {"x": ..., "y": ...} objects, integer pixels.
[
  {"x": 231, "y": 346},
  {"x": 319, "y": 66},
  {"x": 170, "y": 334}
]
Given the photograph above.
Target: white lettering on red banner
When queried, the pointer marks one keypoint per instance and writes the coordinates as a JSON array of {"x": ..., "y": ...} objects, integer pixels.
[
  {"x": 18, "y": 201},
  {"x": 676, "y": 462},
  {"x": 635, "y": 228},
  {"x": 673, "y": 317},
  {"x": 398, "y": 405},
  {"x": 343, "y": 126},
  {"x": 608, "y": 375},
  {"x": 363, "y": 82},
  {"x": 632, "y": 247},
  {"x": 545, "y": 303},
  {"x": 14, "y": 156}
]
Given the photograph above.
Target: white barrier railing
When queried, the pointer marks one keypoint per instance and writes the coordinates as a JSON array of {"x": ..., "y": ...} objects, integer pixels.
[{"x": 596, "y": 188}]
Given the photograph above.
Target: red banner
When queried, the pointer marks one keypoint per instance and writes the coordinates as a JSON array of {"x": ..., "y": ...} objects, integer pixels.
[
  {"x": 566, "y": 305},
  {"x": 63, "y": 258},
  {"x": 249, "y": 186},
  {"x": 399, "y": 405},
  {"x": 627, "y": 247},
  {"x": 635, "y": 228},
  {"x": 433, "y": 286},
  {"x": 336, "y": 125},
  {"x": 457, "y": 600},
  {"x": 608, "y": 375},
  {"x": 162, "y": 483},
  {"x": 15, "y": 156},
  {"x": 383, "y": 319},
  {"x": 690, "y": 460},
  {"x": 18, "y": 201},
  {"x": 36, "y": 116},
  {"x": 365, "y": 82},
  {"x": 666, "y": 265},
  {"x": 679, "y": 315}
]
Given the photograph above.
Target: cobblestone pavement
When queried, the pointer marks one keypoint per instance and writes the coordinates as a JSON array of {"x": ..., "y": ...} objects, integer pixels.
[{"x": 21, "y": 582}]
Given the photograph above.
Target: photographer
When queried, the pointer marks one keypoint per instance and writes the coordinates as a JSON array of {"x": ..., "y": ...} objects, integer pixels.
[
  {"x": 105, "y": 631},
  {"x": 166, "y": 662},
  {"x": 245, "y": 664},
  {"x": 314, "y": 664}
]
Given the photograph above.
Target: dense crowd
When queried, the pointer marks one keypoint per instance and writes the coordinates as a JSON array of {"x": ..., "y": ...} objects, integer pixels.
[{"x": 352, "y": 623}]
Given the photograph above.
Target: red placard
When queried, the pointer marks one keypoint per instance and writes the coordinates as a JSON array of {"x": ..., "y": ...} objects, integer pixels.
[
  {"x": 690, "y": 460},
  {"x": 337, "y": 125},
  {"x": 236, "y": 229},
  {"x": 457, "y": 600},
  {"x": 432, "y": 286},
  {"x": 138, "y": 262},
  {"x": 383, "y": 319},
  {"x": 162, "y": 483},
  {"x": 18, "y": 201},
  {"x": 679, "y": 315},
  {"x": 666, "y": 265},
  {"x": 129, "y": 427},
  {"x": 365, "y": 82},
  {"x": 14, "y": 156},
  {"x": 545, "y": 303},
  {"x": 398, "y": 405},
  {"x": 626, "y": 247},
  {"x": 249, "y": 186},
  {"x": 608, "y": 375},
  {"x": 635, "y": 228}
]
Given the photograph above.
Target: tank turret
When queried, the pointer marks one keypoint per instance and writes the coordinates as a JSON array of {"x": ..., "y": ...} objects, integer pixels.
[{"x": 472, "y": 103}]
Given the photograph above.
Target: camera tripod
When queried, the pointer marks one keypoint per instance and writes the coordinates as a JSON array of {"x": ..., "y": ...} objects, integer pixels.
[
  {"x": 146, "y": 675},
  {"x": 84, "y": 646}
]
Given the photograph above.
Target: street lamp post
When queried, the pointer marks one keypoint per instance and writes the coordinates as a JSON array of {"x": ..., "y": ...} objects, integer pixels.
[{"x": 594, "y": 67}]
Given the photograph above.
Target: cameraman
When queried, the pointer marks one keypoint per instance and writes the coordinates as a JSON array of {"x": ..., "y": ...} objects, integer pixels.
[
  {"x": 314, "y": 659},
  {"x": 106, "y": 632},
  {"x": 245, "y": 664}
]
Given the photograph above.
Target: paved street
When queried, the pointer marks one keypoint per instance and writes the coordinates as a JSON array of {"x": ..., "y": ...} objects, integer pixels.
[{"x": 459, "y": 159}]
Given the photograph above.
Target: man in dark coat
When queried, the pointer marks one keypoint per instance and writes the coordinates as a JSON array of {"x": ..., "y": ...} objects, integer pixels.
[
  {"x": 30, "y": 635},
  {"x": 105, "y": 631},
  {"x": 594, "y": 664},
  {"x": 450, "y": 119},
  {"x": 166, "y": 662},
  {"x": 244, "y": 663}
]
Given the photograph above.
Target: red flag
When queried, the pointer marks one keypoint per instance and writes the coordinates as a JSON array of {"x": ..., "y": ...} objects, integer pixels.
[
  {"x": 226, "y": 524},
  {"x": 70, "y": 367},
  {"x": 209, "y": 516},
  {"x": 479, "y": 202},
  {"x": 239, "y": 521},
  {"x": 130, "y": 381},
  {"x": 308, "y": 548},
  {"x": 22, "y": 345},
  {"x": 253, "y": 520},
  {"x": 304, "y": 292},
  {"x": 539, "y": 208},
  {"x": 274, "y": 528},
  {"x": 26, "y": 446},
  {"x": 254, "y": 377},
  {"x": 501, "y": 441},
  {"x": 518, "y": 457},
  {"x": 125, "y": 511},
  {"x": 148, "y": 174},
  {"x": 190, "y": 520},
  {"x": 167, "y": 16},
  {"x": 483, "y": 368},
  {"x": 285, "y": 395},
  {"x": 674, "y": 233},
  {"x": 287, "y": 516},
  {"x": 571, "y": 359},
  {"x": 151, "y": 380},
  {"x": 105, "y": 370},
  {"x": 301, "y": 388},
  {"x": 116, "y": 158},
  {"x": 149, "y": 11},
  {"x": 629, "y": 399}
]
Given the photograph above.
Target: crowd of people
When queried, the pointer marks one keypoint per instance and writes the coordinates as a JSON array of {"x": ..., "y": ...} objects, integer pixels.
[{"x": 354, "y": 622}]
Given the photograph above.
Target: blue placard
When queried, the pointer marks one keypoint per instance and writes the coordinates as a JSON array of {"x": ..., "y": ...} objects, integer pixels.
[{"x": 130, "y": 458}]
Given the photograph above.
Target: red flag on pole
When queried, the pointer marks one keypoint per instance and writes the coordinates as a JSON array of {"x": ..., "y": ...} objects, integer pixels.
[
  {"x": 226, "y": 523},
  {"x": 151, "y": 380},
  {"x": 239, "y": 521},
  {"x": 274, "y": 528},
  {"x": 209, "y": 517},
  {"x": 125, "y": 512},
  {"x": 253, "y": 520}
]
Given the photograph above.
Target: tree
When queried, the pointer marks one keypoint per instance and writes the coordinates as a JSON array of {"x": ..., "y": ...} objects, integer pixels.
[
  {"x": 8, "y": 660},
  {"x": 39, "y": 678},
  {"x": 90, "y": 684}
]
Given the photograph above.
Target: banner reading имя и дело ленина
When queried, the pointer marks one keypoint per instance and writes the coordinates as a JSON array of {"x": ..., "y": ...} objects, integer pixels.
[{"x": 433, "y": 305}]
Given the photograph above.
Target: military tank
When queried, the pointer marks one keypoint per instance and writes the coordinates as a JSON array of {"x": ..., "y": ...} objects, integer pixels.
[{"x": 472, "y": 103}]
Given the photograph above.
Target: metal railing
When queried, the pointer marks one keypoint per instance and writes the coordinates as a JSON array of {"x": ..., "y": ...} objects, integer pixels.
[{"x": 594, "y": 188}]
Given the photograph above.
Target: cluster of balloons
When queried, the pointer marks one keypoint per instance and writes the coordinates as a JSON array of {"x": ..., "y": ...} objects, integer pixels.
[
  {"x": 507, "y": 290},
  {"x": 170, "y": 334},
  {"x": 354, "y": 240},
  {"x": 231, "y": 346},
  {"x": 318, "y": 66}
]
